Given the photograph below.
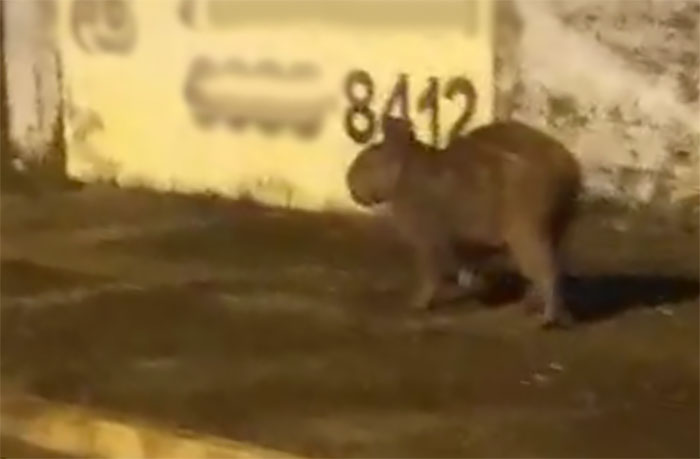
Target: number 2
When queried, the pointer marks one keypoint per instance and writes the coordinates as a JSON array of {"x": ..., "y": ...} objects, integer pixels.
[{"x": 456, "y": 86}]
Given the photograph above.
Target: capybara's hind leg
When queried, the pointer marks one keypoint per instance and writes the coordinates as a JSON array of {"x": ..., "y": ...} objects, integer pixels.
[{"x": 534, "y": 255}]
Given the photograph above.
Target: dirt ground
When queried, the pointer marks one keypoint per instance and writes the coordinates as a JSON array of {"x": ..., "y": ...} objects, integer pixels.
[
  {"x": 290, "y": 330},
  {"x": 15, "y": 449}
]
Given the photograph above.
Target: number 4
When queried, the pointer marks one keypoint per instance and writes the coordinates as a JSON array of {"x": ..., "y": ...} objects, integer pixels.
[{"x": 399, "y": 96}]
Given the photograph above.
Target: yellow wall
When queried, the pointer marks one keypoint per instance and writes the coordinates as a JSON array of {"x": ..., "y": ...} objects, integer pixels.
[{"x": 126, "y": 68}]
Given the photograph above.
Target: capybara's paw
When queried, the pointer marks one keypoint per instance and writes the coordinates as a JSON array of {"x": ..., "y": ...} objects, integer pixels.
[
  {"x": 421, "y": 302},
  {"x": 561, "y": 320}
]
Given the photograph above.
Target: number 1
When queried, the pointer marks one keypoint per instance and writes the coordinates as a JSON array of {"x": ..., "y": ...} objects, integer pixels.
[{"x": 429, "y": 101}]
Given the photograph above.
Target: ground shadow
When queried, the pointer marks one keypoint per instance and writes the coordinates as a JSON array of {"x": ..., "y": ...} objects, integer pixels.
[
  {"x": 592, "y": 298},
  {"x": 599, "y": 297}
]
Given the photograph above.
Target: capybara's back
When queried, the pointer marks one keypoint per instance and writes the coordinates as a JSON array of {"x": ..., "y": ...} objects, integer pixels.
[{"x": 529, "y": 178}]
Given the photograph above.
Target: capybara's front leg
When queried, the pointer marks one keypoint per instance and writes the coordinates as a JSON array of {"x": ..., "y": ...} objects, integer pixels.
[
  {"x": 436, "y": 271},
  {"x": 427, "y": 279}
]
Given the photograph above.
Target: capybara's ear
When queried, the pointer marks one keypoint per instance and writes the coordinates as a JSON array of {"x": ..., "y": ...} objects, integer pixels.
[{"x": 397, "y": 129}]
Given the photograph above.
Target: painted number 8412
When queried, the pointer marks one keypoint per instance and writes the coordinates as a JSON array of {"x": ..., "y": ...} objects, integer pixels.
[{"x": 361, "y": 120}]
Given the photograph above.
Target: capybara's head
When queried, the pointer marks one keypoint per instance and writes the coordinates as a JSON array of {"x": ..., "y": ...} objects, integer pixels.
[{"x": 373, "y": 175}]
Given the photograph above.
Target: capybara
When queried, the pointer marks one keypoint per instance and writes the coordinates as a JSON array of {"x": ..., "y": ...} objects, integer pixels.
[{"x": 504, "y": 191}]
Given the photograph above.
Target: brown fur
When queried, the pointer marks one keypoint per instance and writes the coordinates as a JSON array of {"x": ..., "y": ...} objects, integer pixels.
[{"x": 503, "y": 189}]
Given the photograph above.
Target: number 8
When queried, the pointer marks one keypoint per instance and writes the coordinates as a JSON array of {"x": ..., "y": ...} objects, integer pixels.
[{"x": 359, "y": 106}]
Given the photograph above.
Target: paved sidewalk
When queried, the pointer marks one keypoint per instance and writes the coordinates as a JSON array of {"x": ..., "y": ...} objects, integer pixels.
[{"x": 78, "y": 432}]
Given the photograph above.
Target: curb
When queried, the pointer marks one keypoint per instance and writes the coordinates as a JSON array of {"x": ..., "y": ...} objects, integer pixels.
[{"x": 78, "y": 431}]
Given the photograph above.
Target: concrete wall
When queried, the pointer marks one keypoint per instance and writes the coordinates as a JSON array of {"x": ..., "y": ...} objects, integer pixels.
[
  {"x": 32, "y": 78},
  {"x": 250, "y": 97},
  {"x": 617, "y": 81}
]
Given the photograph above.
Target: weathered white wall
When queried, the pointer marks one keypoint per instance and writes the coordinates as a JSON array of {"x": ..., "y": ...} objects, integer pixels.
[
  {"x": 267, "y": 99},
  {"x": 617, "y": 80},
  {"x": 32, "y": 79}
]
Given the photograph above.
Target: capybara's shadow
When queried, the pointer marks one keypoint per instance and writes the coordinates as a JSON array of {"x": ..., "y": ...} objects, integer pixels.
[
  {"x": 591, "y": 298},
  {"x": 598, "y": 297}
]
